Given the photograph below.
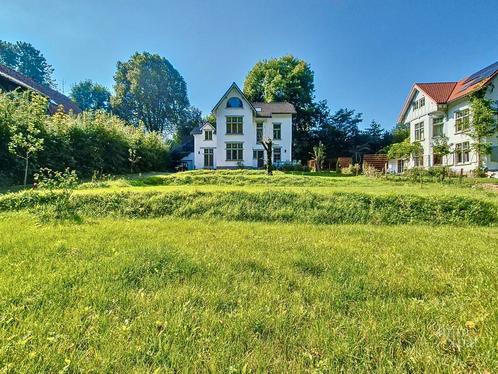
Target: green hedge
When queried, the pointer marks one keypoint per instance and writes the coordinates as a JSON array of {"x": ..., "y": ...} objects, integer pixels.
[
  {"x": 89, "y": 142},
  {"x": 274, "y": 206}
]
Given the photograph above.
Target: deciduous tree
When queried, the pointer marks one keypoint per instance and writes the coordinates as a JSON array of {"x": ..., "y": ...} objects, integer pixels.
[
  {"x": 149, "y": 89},
  {"x": 91, "y": 96}
]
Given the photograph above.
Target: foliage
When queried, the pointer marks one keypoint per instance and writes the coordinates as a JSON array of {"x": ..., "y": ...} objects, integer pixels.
[
  {"x": 192, "y": 120},
  {"x": 371, "y": 172},
  {"x": 149, "y": 90},
  {"x": 27, "y": 60},
  {"x": 400, "y": 132},
  {"x": 23, "y": 115},
  {"x": 404, "y": 150},
  {"x": 85, "y": 143},
  {"x": 483, "y": 126},
  {"x": 49, "y": 179},
  {"x": 91, "y": 96},
  {"x": 440, "y": 146}
]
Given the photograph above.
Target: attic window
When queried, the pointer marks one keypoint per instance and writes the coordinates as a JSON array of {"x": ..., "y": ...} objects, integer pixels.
[
  {"x": 234, "y": 102},
  {"x": 258, "y": 109},
  {"x": 419, "y": 103}
]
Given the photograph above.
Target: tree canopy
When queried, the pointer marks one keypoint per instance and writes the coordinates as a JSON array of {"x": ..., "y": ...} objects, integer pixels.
[
  {"x": 91, "y": 96},
  {"x": 149, "y": 90},
  {"x": 27, "y": 60}
]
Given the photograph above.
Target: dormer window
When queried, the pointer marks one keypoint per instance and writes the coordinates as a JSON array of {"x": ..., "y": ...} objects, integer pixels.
[
  {"x": 208, "y": 135},
  {"x": 234, "y": 102},
  {"x": 419, "y": 103}
]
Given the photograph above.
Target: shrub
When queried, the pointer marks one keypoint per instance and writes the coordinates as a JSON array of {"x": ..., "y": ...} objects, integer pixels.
[
  {"x": 371, "y": 171},
  {"x": 86, "y": 142},
  {"x": 347, "y": 170},
  {"x": 49, "y": 179}
]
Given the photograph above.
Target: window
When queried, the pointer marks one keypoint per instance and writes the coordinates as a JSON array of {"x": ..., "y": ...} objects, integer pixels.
[
  {"x": 437, "y": 126},
  {"x": 437, "y": 159},
  {"x": 234, "y": 151},
  {"x": 418, "y": 161},
  {"x": 277, "y": 131},
  {"x": 462, "y": 152},
  {"x": 277, "y": 154},
  {"x": 462, "y": 120},
  {"x": 494, "y": 154},
  {"x": 259, "y": 132},
  {"x": 419, "y": 103},
  {"x": 234, "y": 102},
  {"x": 401, "y": 166},
  {"x": 208, "y": 157},
  {"x": 419, "y": 131},
  {"x": 234, "y": 125},
  {"x": 208, "y": 135}
]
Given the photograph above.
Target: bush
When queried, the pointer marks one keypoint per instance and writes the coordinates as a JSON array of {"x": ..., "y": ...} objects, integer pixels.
[
  {"x": 371, "y": 171},
  {"x": 291, "y": 166},
  {"x": 49, "y": 179},
  {"x": 88, "y": 142}
]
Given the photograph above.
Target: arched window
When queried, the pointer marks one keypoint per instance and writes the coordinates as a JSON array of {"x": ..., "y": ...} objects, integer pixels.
[{"x": 234, "y": 102}]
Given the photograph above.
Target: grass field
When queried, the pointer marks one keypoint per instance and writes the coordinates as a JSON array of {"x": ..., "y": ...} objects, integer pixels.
[{"x": 224, "y": 294}]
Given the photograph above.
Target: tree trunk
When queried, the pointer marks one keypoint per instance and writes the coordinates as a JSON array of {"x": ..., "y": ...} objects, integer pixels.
[{"x": 26, "y": 171}]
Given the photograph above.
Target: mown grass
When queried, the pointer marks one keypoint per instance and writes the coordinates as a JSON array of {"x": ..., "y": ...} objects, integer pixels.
[{"x": 211, "y": 296}]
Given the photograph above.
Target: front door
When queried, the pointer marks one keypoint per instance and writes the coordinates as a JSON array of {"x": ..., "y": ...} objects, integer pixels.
[
  {"x": 260, "y": 156},
  {"x": 208, "y": 158}
]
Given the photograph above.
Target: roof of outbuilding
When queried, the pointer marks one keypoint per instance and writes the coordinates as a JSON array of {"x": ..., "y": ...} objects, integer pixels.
[{"x": 55, "y": 97}]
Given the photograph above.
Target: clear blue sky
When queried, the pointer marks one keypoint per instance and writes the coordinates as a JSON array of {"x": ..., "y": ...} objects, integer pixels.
[{"x": 365, "y": 54}]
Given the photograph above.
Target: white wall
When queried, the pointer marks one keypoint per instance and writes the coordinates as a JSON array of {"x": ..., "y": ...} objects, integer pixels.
[{"x": 248, "y": 138}]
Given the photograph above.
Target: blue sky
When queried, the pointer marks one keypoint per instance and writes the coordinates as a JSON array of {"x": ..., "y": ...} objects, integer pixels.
[{"x": 365, "y": 54}]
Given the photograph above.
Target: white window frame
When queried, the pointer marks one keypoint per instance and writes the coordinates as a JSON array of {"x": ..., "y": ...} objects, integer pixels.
[
  {"x": 279, "y": 130},
  {"x": 259, "y": 131},
  {"x": 275, "y": 149},
  {"x": 419, "y": 131},
  {"x": 462, "y": 153},
  {"x": 206, "y": 132},
  {"x": 437, "y": 122},
  {"x": 234, "y": 148},
  {"x": 462, "y": 120},
  {"x": 234, "y": 125}
]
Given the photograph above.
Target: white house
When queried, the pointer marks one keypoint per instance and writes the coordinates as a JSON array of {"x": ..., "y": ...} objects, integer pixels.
[
  {"x": 443, "y": 109},
  {"x": 235, "y": 141}
]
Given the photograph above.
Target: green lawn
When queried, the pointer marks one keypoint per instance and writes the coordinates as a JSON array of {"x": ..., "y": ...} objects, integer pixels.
[
  {"x": 187, "y": 295},
  {"x": 108, "y": 293}
]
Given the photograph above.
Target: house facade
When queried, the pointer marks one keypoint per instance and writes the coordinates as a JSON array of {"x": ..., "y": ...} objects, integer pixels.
[
  {"x": 442, "y": 109},
  {"x": 235, "y": 140}
]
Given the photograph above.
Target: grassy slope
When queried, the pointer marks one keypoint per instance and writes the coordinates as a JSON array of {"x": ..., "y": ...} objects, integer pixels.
[{"x": 123, "y": 295}]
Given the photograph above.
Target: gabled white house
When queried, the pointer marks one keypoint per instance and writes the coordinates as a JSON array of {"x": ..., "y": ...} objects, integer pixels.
[
  {"x": 235, "y": 141},
  {"x": 443, "y": 109}
]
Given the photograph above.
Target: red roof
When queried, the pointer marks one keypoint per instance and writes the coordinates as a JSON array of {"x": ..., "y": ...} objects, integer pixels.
[{"x": 440, "y": 92}]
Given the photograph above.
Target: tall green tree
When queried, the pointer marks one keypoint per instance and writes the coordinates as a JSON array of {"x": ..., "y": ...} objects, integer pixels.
[
  {"x": 91, "y": 96},
  {"x": 27, "y": 60},
  {"x": 287, "y": 79},
  {"x": 193, "y": 119},
  {"x": 483, "y": 126},
  {"x": 149, "y": 90}
]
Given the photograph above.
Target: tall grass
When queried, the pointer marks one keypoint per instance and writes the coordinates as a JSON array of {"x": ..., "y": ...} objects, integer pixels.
[{"x": 268, "y": 206}]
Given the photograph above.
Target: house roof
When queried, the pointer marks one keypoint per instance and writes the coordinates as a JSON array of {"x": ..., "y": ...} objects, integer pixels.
[
  {"x": 446, "y": 92},
  {"x": 198, "y": 129},
  {"x": 55, "y": 97},
  {"x": 267, "y": 109},
  {"x": 440, "y": 92},
  {"x": 233, "y": 86}
]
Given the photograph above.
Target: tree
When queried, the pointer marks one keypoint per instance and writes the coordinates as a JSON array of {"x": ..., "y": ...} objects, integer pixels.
[
  {"x": 318, "y": 156},
  {"x": 287, "y": 79},
  {"x": 400, "y": 132},
  {"x": 267, "y": 144},
  {"x": 192, "y": 120},
  {"x": 483, "y": 126},
  {"x": 441, "y": 147},
  {"x": 150, "y": 90},
  {"x": 91, "y": 96},
  {"x": 27, "y": 60},
  {"x": 25, "y": 126},
  {"x": 404, "y": 150}
]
